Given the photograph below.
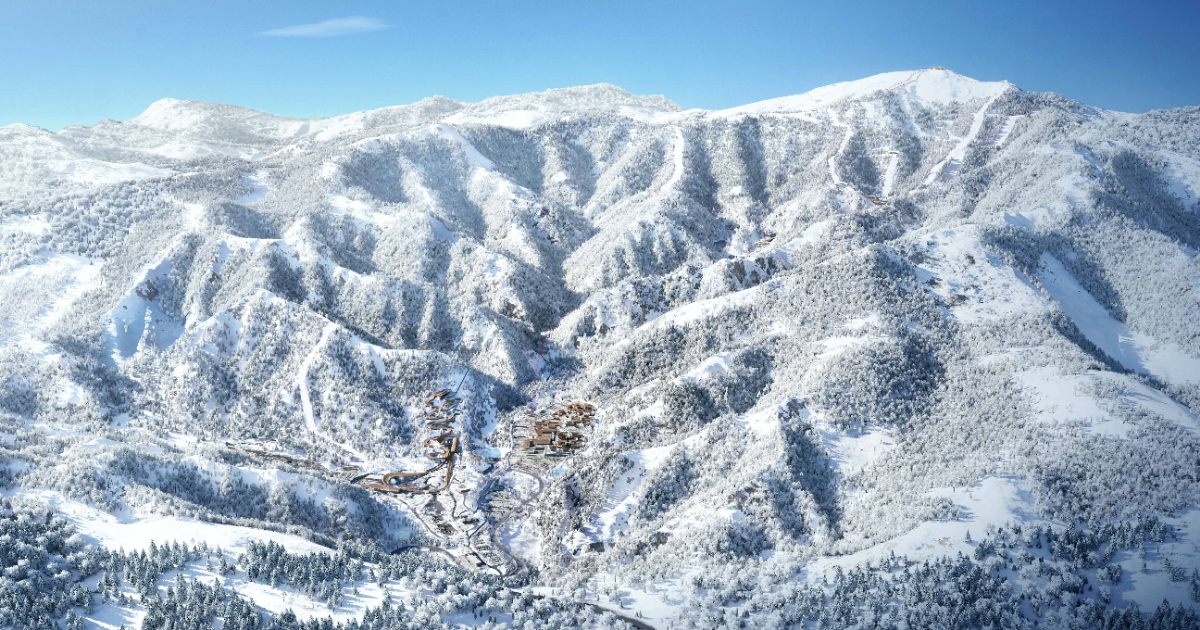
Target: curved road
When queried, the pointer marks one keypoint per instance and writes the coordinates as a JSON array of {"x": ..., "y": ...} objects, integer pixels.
[
  {"x": 522, "y": 566},
  {"x": 516, "y": 560}
]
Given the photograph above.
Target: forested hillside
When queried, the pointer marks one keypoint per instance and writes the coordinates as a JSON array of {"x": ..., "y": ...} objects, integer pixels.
[{"x": 908, "y": 351}]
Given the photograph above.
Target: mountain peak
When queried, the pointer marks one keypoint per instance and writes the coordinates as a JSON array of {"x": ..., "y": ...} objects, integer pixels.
[
  {"x": 177, "y": 114},
  {"x": 577, "y": 327},
  {"x": 936, "y": 85}
]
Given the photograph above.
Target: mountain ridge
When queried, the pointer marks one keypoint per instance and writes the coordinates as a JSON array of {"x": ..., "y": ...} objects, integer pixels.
[{"x": 914, "y": 313}]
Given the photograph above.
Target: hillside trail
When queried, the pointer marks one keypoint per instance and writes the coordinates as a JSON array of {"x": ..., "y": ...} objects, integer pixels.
[
  {"x": 306, "y": 405},
  {"x": 894, "y": 161},
  {"x": 950, "y": 164},
  {"x": 947, "y": 167}
]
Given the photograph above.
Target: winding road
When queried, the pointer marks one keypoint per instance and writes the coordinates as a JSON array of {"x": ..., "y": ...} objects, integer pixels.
[{"x": 503, "y": 521}]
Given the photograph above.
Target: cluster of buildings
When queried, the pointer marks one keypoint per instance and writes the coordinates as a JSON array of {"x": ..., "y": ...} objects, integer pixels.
[{"x": 560, "y": 434}]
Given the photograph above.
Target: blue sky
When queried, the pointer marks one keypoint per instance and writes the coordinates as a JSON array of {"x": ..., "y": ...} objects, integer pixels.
[{"x": 67, "y": 62}]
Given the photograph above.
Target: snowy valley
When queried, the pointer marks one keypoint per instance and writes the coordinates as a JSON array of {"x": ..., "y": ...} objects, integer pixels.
[{"x": 906, "y": 351}]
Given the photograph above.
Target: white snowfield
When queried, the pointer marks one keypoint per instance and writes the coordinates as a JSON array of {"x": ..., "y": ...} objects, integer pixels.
[
  {"x": 135, "y": 532},
  {"x": 819, "y": 330},
  {"x": 1138, "y": 352},
  {"x": 931, "y": 86},
  {"x": 175, "y": 129}
]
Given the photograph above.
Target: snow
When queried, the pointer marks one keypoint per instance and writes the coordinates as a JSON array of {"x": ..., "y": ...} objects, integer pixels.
[
  {"x": 988, "y": 289},
  {"x": 832, "y": 162},
  {"x": 168, "y": 113},
  {"x": 1056, "y": 398},
  {"x": 677, "y": 161},
  {"x": 655, "y": 601},
  {"x": 440, "y": 230},
  {"x": 521, "y": 539},
  {"x": 1135, "y": 351},
  {"x": 642, "y": 389},
  {"x": 1149, "y": 588},
  {"x": 134, "y": 531},
  {"x": 951, "y": 163},
  {"x": 1063, "y": 399},
  {"x": 613, "y": 519},
  {"x": 35, "y": 224},
  {"x": 702, "y": 309},
  {"x": 366, "y": 215},
  {"x": 191, "y": 149},
  {"x": 853, "y": 451},
  {"x": 865, "y": 321},
  {"x": 94, "y": 172},
  {"x": 889, "y": 175},
  {"x": 975, "y": 288},
  {"x": 330, "y": 128},
  {"x": 992, "y": 501},
  {"x": 35, "y": 157},
  {"x": 258, "y": 182},
  {"x": 809, "y": 237},
  {"x": 302, "y": 376},
  {"x": 474, "y": 157},
  {"x": 833, "y": 346},
  {"x": 712, "y": 366},
  {"x": 763, "y": 422},
  {"x": 199, "y": 120},
  {"x": 40, "y": 294},
  {"x": 946, "y": 86},
  {"x": 1006, "y": 130},
  {"x": 1028, "y": 219},
  {"x": 138, "y": 316},
  {"x": 1183, "y": 178},
  {"x": 512, "y": 119},
  {"x": 998, "y": 501},
  {"x": 927, "y": 86}
]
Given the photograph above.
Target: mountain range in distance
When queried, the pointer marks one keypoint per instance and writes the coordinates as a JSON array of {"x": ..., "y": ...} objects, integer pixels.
[{"x": 911, "y": 350}]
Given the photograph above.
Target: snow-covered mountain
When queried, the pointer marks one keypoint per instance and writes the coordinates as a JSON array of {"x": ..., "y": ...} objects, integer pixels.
[{"x": 914, "y": 318}]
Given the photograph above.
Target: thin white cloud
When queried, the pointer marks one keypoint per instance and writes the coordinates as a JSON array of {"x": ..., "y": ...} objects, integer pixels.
[{"x": 331, "y": 28}]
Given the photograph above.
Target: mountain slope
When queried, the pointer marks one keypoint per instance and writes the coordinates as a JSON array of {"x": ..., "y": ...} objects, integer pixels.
[{"x": 876, "y": 317}]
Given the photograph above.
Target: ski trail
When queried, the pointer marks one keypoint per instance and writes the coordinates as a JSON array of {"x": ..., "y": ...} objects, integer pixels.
[
  {"x": 474, "y": 157},
  {"x": 73, "y": 275},
  {"x": 889, "y": 176},
  {"x": 302, "y": 377},
  {"x": 677, "y": 175},
  {"x": 954, "y": 159},
  {"x": 661, "y": 193},
  {"x": 306, "y": 400},
  {"x": 836, "y": 122},
  {"x": 1006, "y": 129}
]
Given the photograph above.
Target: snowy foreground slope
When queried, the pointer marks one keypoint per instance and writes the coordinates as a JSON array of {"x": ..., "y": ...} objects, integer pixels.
[{"x": 913, "y": 350}]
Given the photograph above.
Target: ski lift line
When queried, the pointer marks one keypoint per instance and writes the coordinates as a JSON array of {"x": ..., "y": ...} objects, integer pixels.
[
  {"x": 837, "y": 122},
  {"x": 910, "y": 79},
  {"x": 464, "y": 378}
]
